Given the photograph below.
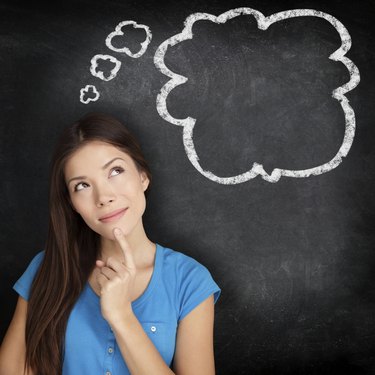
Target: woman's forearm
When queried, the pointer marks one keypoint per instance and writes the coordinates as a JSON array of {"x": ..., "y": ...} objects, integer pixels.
[{"x": 138, "y": 351}]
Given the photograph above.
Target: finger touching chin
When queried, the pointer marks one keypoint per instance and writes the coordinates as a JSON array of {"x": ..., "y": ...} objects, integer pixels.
[{"x": 100, "y": 263}]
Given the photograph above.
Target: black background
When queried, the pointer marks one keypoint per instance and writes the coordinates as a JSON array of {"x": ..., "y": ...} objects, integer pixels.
[{"x": 295, "y": 258}]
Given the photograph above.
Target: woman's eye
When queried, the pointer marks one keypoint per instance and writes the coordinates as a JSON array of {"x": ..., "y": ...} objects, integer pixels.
[
  {"x": 116, "y": 171},
  {"x": 79, "y": 186}
]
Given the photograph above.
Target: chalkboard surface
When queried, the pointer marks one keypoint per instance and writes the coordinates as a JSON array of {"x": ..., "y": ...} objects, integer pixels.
[{"x": 294, "y": 255}]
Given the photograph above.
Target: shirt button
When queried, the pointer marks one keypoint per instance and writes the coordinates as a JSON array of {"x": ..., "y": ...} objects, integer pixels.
[
  {"x": 110, "y": 350},
  {"x": 153, "y": 329}
]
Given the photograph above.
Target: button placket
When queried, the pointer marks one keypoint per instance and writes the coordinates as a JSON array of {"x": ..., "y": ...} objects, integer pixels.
[{"x": 109, "y": 353}]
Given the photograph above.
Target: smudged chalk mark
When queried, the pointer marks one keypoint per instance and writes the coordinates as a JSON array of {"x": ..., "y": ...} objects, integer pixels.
[
  {"x": 88, "y": 89},
  {"x": 100, "y": 74},
  {"x": 126, "y": 50},
  {"x": 263, "y": 24}
]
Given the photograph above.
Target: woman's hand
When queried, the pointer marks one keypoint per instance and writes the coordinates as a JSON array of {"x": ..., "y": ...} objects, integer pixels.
[{"x": 116, "y": 281}]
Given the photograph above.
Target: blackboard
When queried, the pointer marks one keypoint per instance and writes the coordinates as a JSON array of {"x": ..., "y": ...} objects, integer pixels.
[{"x": 294, "y": 254}]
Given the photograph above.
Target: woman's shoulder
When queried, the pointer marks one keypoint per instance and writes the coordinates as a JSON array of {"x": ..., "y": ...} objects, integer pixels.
[
  {"x": 183, "y": 266},
  {"x": 23, "y": 284},
  {"x": 35, "y": 262},
  {"x": 38, "y": 257},
  {"x": 192, "y": 280},
  {"x": 179, "y": 259}
]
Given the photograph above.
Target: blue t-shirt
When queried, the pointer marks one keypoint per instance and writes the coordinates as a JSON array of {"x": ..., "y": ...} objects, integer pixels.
[{"x": 178, "y": 284}]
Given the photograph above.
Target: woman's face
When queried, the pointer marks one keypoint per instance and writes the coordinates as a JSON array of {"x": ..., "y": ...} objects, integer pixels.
[{"x": 103, "y": 181}]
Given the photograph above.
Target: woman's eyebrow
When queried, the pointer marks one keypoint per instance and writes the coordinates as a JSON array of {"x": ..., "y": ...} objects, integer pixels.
[
  {"x": 110, "y": 162},
  {"x": 103, "y": 167}
]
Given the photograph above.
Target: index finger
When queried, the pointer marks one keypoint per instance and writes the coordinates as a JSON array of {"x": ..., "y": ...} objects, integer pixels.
[{"x": 124, "y": 244}]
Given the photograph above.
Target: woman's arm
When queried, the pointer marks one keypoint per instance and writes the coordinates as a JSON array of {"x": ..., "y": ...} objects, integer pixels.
[
  {"x": 194, "y": 346},
  {"x": 138, "y": 351},
  {"x": 13, "y": 348}
]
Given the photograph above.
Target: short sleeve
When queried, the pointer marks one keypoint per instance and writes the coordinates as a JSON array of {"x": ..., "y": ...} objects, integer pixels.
[
  {"x": 23, "y": 284},
  {"x": 196, "y": 285}
]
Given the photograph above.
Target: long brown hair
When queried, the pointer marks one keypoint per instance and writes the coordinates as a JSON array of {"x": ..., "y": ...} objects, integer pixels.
[{"x": 71, "y": 247}]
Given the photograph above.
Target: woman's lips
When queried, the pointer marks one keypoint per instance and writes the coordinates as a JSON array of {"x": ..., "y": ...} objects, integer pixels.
[{"x": 115, "y": 215}]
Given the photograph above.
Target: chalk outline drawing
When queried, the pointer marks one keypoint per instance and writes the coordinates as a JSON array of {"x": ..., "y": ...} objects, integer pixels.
[
  {"x": 126, "y": 50},
  {"x": 85, "y": 90},
  {"x": 94, "y": 65},
  {"x": 263, "y": 24}
]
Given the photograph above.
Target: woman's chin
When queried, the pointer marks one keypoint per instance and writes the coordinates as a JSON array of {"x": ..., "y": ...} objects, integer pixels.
[{"x": 109, "y": 235}]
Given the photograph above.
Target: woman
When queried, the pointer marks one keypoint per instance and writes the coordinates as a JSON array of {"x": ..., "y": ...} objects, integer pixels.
[{"x": 102, "y": 298}]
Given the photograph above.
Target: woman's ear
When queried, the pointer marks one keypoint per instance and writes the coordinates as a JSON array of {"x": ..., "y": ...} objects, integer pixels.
[{"x": 145, "y": 181}]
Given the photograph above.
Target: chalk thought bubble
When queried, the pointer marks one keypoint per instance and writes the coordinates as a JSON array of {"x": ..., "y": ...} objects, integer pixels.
[
  {"x": 100, "y": 74},
  {"x": 263, "y": 24},
  {"x": 85, "y": 93},
  {"x": 118, "y": 32}
]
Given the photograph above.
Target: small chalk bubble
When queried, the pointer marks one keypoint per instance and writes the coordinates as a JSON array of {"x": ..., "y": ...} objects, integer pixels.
[
  {"x": 86, "y": 92},
  {"x": 100, "y": 74},
  {"x": 119, "y": 32}
]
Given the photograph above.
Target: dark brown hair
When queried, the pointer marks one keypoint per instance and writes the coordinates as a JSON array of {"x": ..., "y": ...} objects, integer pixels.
[{"x": 71, "y": 247}]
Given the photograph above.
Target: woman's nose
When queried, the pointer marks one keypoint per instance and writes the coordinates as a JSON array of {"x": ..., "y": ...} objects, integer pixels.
[
  {"x": 104, "y": 196},
  {"x": 105, "y": 202}
]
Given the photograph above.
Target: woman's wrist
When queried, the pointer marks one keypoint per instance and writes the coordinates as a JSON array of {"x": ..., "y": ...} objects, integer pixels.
[{"x": 122, "y": 321}]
